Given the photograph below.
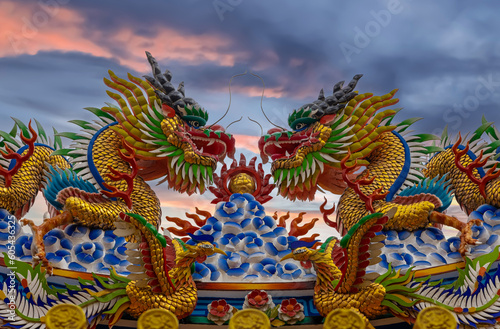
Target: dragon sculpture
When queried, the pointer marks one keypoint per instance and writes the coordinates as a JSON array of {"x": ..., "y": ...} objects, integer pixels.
[
  {"x": 160, "y": 278},
  {"x": 343, "y": 282},
  {"x": 155, "y": 132},
  {"x": 335, "y": 136}
]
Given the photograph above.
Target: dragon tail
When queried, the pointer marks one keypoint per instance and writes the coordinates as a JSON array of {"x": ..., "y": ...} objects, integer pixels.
[
  {"x": 473, "y": 299},
  {"x": 398, "y": 297},
  {"x": 26, "y": 296}
]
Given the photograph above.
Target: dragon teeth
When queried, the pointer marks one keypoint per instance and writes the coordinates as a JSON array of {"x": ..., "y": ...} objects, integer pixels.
[
  {"x": 287, "y": 154},
  {"x": 179, "y": 167},
  {"x": 321, "y": 166},
  {"x": 328, "y": 158},
  {"x": 313, "y": 167},
  {"x": 191, "y": 174},
  {"x": 201, "y": 150},
  {"x": 211, "y": 142}
]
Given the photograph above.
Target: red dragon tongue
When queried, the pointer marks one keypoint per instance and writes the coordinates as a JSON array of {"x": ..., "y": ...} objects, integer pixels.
[{"x": 201, "y": 259}]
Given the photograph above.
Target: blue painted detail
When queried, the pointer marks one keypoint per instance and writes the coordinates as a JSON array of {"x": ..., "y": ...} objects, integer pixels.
[
  {"x": 471, "y": 155},
  {"x": 59, "y": 180},
  {"x": 439, "y": 188},
  {"x": 24, "y": 148},
  {"x": 404, "y": 171},
  {"x": 90, "y": 160}
]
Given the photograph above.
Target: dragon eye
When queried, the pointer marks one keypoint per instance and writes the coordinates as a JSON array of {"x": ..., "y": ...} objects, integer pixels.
[
  {"x": 301, "y": 126},
  {"x": 298, "y": 251},
  {"x": 194, "y": 124}
]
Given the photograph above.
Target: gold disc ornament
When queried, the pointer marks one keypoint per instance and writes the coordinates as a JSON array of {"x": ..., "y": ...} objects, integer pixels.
[
  {"x": 249, "y": 319},
  {"x": 343, "y": 318},
  {"x": 157, "y": 318},
  {"x": 435, "y": 317},
  {"x": 66, "y": 316}
]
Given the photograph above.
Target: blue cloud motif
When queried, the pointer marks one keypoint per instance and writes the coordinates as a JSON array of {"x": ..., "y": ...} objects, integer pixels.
[
  {"x": 8, "y": 225},
  {"x": 205, "y": 270},
  {"x": 233, "y": 264},
  {"x": 23, "y": 247},
  {"x": 88, "y": 252},
  {"x": 289, "y": 271}
]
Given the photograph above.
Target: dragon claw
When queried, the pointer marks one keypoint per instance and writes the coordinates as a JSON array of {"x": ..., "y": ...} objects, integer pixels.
[
  {"x": 39, "y": 232},
  {"x": 466, "y": 238}
]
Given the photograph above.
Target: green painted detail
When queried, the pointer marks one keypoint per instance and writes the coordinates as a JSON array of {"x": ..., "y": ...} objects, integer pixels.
[
  {"x": 159, "y": 115},
  {"x": 207, "y": 132},
  {"x": 318, "y": 156},
  {"x": 27, "y": 318},
  {"x": 24, "y": 129},
  {"x": 100, "y": 113},
  {"x": 203, "y": 172},
  {"x": 155, "y": 126},
  {"x": 171, "y": 148},
  {"x": 201, "y": 113},
  {"x": 72, "y": 136},
  {"x": 218, "y": 132},
  {"x": 306, "y": 121},
  {"x": 480, "y": 131},
  {"x": 81, "y": 124},
  {"x": 180, "y": 160},
  {"x": 309, "y": 158},
  {"x": 329, "y": 151},
  {"x": 325, "y": 244},
  {"x": 332, "y": 145},
  {"x": 228, "y": 135},
  {"x": 118, "y": 305},
  {"x": 338, "y": 131},
  {"x": 8, "y": 138},
  {"x": 150, "y": 227},
  {"x": 177, "y": 152},
  {"x": 40, "y": 129},
  {"x": 266, "y": 137},
  {"x": 277, "y": 174},
  {"x": 362, "y": 221},
  {"x": 195, "y": 170},
  {"x": 400, "y": 301},
  {"x": 407, "y": 123},
  {"x": 277, "y": 135},
  {"x": 336, "y": 138},
  {"x": 186, "y": 168},
  {"x": 289, "y": 134},
  {"x": 210, "y": 173},
  {"x": 190, "y": 118},
  {"x": 337, "y": 122},
  {"x": 162, "y": 142}
]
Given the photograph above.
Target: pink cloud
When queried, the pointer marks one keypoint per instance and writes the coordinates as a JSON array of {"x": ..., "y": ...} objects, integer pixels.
[
  {"x": 247, "y": 142},
  {"x": 30, "y": 28}
]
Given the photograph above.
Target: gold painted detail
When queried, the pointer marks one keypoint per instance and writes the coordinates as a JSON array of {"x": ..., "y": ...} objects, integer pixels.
[
  {"x": 157, "y": 319},
  {"x": 249, "y": 319},
  {"x": 66, "y": 316},
  {"x": 435, "y": 317}
]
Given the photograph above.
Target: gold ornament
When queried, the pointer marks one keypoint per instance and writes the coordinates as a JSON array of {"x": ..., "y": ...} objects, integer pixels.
[
  {"x": 249, "y": 319},
  {"x": 242, "y": 183},
  {"x": 157, "y": 319},
  {"x": 66, "y": 316},
  {"x": 435, "y": 317},
  {"x": 343, "y": 318}
]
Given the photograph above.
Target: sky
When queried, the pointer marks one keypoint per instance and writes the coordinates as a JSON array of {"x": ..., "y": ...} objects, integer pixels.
[{"x": 443, "y": 56}]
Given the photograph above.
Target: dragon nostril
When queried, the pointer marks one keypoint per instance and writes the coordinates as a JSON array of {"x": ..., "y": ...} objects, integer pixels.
[
  {"x": 217, "y": 127},
  {"x": 274, "y": 130}
]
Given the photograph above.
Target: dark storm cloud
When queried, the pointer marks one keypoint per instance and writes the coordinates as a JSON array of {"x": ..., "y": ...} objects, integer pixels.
[{"x": 433, "y": 52}]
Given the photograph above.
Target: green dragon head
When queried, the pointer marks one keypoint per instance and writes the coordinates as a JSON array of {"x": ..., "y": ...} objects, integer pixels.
[
  {"x": 167, "y": 130},
  {"x": 323, "y": 133}
]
